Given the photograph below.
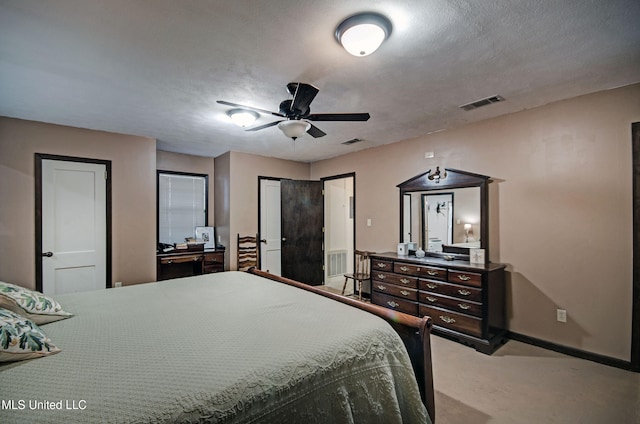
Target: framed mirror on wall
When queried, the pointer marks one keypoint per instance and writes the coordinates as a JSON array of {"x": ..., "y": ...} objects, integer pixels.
[
  {"x": 445, "y": 212},
  {"x": 182, "y": 205}
]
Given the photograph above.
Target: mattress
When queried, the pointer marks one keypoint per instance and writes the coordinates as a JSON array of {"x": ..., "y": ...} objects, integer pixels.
[{"x": 224, "y": 348}]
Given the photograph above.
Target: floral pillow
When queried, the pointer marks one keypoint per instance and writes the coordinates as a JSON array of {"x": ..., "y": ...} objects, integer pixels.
[
  {"x": 34, "y": 305},
  {"x": 21, "y": 339}
]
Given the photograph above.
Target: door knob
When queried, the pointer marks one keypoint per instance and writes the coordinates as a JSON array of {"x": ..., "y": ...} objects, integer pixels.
[
  {"x": 263, "y": 241},
  {"x": 47, "y": 254},
  {"x": 284, "y": 239}
]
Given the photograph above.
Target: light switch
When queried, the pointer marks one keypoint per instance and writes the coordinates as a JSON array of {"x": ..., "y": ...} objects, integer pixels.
[{"x": 369, "y": 222}]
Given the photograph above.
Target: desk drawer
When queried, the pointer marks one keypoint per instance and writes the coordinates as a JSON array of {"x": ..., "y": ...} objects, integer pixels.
[
  {"x": 453, "y": 320},
  {"x": 181, "y": 259},
  {"x": 395, "y": 303},
  {"x": 401, "y": 280},
  {"x": 448, "y": 289},
  {"x": 392, "y": 289},
  {"x": 420, "y": 270}
]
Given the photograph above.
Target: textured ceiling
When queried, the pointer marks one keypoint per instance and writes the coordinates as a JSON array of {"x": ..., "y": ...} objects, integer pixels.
[{"x": 156, "y": 67}]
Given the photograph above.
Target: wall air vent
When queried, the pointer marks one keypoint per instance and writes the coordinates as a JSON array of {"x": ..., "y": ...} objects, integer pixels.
[
  {"x": 355, "y": 140},
  {"x": 482, "y": 102}
]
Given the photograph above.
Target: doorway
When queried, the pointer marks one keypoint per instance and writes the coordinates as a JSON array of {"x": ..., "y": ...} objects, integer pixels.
[
  {"x": 339, "y": 232},
  {"x": 307, "y": 206},
  {"x": 72, "y": 223}
]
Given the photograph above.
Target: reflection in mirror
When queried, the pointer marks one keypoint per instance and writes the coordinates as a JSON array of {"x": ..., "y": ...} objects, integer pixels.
[
  {"x": 449, "y": 217},
  {"x": 445, "y": 216}
]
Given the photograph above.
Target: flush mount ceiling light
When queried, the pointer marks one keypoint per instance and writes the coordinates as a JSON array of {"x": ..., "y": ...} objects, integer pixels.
[
  {"x": 242, "y": 117},
  {"x": 363, "y": 33},
  {"x": 294, "y": 128}
]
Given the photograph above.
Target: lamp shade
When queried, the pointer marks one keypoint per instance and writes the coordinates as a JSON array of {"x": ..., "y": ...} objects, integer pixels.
[
  {"x": 363, "y": 33},
  {"x": 242, "y": 117},
  {"x": 294, "y": 128}
]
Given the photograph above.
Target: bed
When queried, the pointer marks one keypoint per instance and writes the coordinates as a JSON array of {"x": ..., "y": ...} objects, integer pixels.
[{"x": 230, "y": 347}]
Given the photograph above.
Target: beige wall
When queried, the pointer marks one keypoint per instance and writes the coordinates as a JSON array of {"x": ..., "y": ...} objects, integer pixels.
[
  {"x": 133, "y": 195},
  {"x": 169, "y": 161},
  {"x": 560, "y": 206},
  {"x": 237, "y": 193}
]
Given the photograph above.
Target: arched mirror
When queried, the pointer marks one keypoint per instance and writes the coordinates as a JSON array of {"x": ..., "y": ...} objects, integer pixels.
[{"x": 445, "y": 212}]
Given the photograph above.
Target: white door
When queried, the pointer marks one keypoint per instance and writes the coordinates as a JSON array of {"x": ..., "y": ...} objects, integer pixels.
[
  {"x": 73, "y": 226},
  {"x": 270, "y": 227}
]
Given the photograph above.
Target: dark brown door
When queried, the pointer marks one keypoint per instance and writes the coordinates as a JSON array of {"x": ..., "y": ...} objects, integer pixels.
[{"x": 302, "y": 211}]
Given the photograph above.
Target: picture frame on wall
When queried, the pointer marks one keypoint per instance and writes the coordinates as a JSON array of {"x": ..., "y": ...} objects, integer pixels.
[{"x": 207, "y": 235}]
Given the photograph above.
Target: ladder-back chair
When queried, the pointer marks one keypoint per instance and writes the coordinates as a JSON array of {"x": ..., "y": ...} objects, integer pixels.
[
  {"x": 361, "y": 271},
  {"x": 248, "y": 252}
]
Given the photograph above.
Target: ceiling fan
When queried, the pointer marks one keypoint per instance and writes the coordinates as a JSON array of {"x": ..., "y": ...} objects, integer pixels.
[{"x": 297, "y": 113}]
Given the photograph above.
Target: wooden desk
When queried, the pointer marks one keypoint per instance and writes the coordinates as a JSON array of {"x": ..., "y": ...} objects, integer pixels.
[{"x": 177, "y": 264}]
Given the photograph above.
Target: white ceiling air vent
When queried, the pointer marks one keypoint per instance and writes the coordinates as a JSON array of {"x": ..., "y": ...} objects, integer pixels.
[
  {"x": 354, "y": 140},
  {"x": 482, "y": 102}
]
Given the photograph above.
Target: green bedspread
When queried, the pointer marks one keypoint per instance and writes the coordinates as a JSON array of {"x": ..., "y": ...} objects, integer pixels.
[{"x": 228, "y": 347}]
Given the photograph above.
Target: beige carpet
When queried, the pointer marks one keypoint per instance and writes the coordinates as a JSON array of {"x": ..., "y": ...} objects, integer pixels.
[{"x": 521, "y": 383}]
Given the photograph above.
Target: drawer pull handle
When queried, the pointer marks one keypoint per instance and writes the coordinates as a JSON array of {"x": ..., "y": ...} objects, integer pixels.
[
  {"x": 431, "y": 299},
  {"x": 432, "y": 286},
  {"x": 170, "y": 261},
  {"x": 393, "y": 304},
  {"x": 432, "y": 272},
  {"x": 464, "y": 292},
  {"x": 447, "y": 319},
  {"x": 464, "y": 306},
  {"x": 404, "y": 281},
  {"x": 404, "y": 293},
  {"x": 382, "y": 265},
  {"x": 381, "y": 276},
  {"x": 404, "y": 268},
  {"x": 464, "y": 277},
  {"x": 381, "y": 287}
]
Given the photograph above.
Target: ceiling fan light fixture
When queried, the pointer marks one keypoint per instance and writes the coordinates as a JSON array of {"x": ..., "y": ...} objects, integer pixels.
[
  {"x": 363, "y": 33},
  {"x": 294, "y": 128},
  {"x": 242, "y": 117}
]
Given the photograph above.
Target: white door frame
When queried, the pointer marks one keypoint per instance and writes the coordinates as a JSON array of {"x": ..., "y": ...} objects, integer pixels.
[
  {"x": 39, "y": 157},
  {"x": 347, "y": 242}
]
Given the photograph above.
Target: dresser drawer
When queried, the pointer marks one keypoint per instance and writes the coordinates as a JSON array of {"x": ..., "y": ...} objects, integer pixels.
[
  {"x": 395, "y": 303},
  {"x": 448, "y": 289},
  {"x": 380, "y": 265},
  {"x": 461, "y": 277},
  {"x": 459, "y": 305},
  {"x": 401, "y": 280},
  {"x": 392, "y": 289},
  {"x": 453, "y": 320},
  {"x": 420, "y": 270}
]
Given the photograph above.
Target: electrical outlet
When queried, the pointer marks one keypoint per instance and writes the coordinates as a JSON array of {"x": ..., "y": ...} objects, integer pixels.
[
  {"x": 561, "y": 315},
  {"x": 429, "y": 155},
  {"x": 117, "y": 284}
]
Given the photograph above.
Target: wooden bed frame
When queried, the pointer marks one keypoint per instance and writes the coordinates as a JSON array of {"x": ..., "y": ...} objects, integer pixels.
[{"x": 415, "y": 333}]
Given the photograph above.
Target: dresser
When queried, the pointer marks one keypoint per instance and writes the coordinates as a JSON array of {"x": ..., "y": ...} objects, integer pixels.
[
  {"x": 466, "y": 301},
  {"x": 177, "y": 264}
]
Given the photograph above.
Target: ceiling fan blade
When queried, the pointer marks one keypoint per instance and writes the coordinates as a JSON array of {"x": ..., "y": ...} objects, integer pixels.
[
  {"x": 222, "y": 102},
  {"x": 338, "y": 117},
  {"x": 302, "y": 96},
  {"x": 315, "y": 132},
  {"x": 261, "y": 127}
]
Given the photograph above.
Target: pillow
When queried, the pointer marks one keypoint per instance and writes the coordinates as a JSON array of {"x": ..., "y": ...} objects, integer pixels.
[
  {"x": 34, "y": 305},
  {"x": 21, "y": 339}
]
